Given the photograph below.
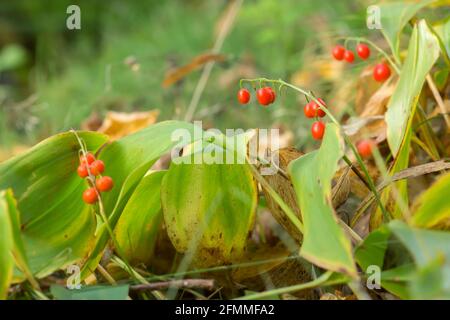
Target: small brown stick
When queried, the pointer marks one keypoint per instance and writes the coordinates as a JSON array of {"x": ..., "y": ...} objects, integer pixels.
[
  {"x": 439, "y": 100},
  {"x": 207, "y": 284}
]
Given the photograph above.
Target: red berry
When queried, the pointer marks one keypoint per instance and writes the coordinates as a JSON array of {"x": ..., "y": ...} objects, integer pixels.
[
  {"x": 264, "y": 96},
  {"x": 90, "y": 196},
  {"x": 104, "y": 183},
  {"x": 317, "y": 111},
  {"x": 381, "y": 72},
  {"x": 317, "y": 130},
  {"x": 97, "y": 167},
  {"x": 243, "y": 96},
  {"x": 349, "y": 56},
  {"x": 363, "y": 51},
  {"x": 365, "y": 148},
  {"x": 309, "y": 111},
  {"x": 338, "y": 52},
  {"x": 82, "y": 171},
  {"x": 87, "y": 159}
]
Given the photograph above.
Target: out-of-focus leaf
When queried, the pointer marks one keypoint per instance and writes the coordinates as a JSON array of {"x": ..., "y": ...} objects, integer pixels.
[
  {"x": 57, "y": 226},
  {"x": 432, "y": 208},
  {"x": 430, "y": 282},
  {"x": 12, "y": 56},
  {"x": 91, "y": 293},
  {"x": 120, "y": 124},
  {"x": 373, "y": 249},
  {"x": 394, "y": 17},
  {"x": 209, "y": 208},
  {"x": 127, "y": 160},
  {"x": 324, "y": 242},
  {"x": 428, "y": 247},
  {"x": 396, "y": 280},
  {"x": 141, "y": 218},
  {"x": 423, "y": 52}
]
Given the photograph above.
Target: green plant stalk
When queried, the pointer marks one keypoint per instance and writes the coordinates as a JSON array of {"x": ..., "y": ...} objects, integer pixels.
[
  {"x": 333, "y": 119},
  {"x": 317, "y": 282},
  {"x": 394, "y": 64}
]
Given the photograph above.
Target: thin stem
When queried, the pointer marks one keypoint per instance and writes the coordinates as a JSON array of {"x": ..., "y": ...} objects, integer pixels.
[
  {"x": 347, "y": 140},
  {"x": 315, "y": 283},
  {"x": 394, "y": 64}
]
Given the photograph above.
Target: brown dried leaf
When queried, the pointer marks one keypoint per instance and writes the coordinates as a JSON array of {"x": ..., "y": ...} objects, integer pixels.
[
  {"x": 120, "y": 124},
  {"x": 175, "y": 75}
]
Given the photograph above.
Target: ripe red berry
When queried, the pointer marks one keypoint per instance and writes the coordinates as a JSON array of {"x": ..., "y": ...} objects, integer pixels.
[
  {"x": 349, "y": 56},
  {"x": 338, "y": 52},
  {"x": 309, "y": 110},
  {"x": 90, "y": 196},
  {"x": 365, "y": 148},
  {"x": 82, "y": 171},
  {"x": 87, "y": 159},
  {"x": 97, "y": 167},
  {"x": 381, "y": 72},
  {"x": 243, "y": 96},
  {"x": 104, "y": 183},
  {"x": 317, "y": 130},
  {"x": 363, "y": 51},
  {"x": 264, "y": 96},
  {"x": 317, "y": 111}
]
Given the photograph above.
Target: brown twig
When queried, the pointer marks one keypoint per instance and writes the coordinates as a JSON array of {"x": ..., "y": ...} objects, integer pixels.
[{"x": 207, "y": 284}]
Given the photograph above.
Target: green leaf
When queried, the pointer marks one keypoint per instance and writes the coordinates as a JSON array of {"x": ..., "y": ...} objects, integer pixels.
[
  {"x": 141, "y": 219},
  {"x": 431, "y": 252},
  {"x": 373, "y": 249},
  {"x": 325, "y": 243},
  {"x": 394, "y": 16},
  {"x": 6, "y": 247},
  {"x": 209, "y": 208},
  {"x": 423, "y": 52},
  {"x": 91, "y": 293},
  {"x": 396, "y": 280},
  {"x": 432, "y": 208},
  {"x": 127, "y": 160},
  {"x": 57, "y": 227}
]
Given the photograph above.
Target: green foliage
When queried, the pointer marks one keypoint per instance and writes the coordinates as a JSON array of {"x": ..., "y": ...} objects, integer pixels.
[
  {"x": 140, "y": 221},
  {"x": 56, "y": 226},
  {"x": 209, "y": 208},
  {"x": 423, "y": 52},
  {"x": 119, "y": 292},
  {"x": 325, "y": 243}
]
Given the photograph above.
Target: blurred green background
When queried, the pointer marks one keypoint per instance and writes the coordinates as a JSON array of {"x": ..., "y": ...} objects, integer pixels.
[{"x": 53, "y": 79}]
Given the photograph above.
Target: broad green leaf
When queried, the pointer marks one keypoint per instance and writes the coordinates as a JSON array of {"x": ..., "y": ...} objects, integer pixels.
[
  {"x": 57, "y": 227},
  {"x": 431, "y": 282},
  {"x": 141, "y": 219},
  {"x": 127, "y": 160},
  {"x": 394, "y": 16},
  {"x": 372, "y": 250},
  {"x": 423, "y": 52},
  {"x": 209, "y": 208},
  {"x": 6, "y": 247},
  {"x": 325, "y": 243},
  {"x": 432, "y": 208},
  {"x": 428, "y": 247},
  {"x": 91, "y": 293}
]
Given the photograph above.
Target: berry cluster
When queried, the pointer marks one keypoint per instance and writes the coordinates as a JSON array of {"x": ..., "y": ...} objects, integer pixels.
[
  {"x": 265, "y": 96},
  {"x": 312, "y": 110},
  {"x": 381, "y": 71},
  {"x": 90, "y": 167}
]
